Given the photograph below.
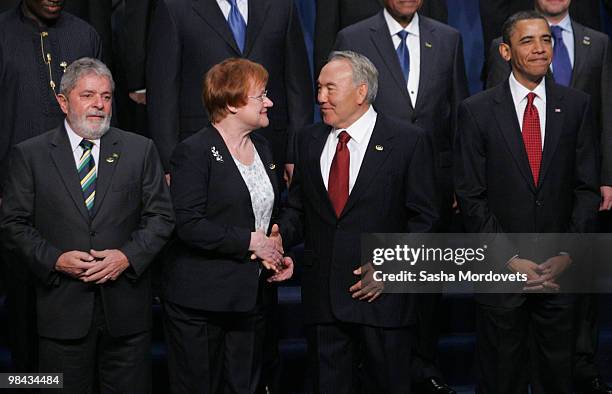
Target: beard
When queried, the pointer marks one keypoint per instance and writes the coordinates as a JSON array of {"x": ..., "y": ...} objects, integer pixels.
[{"x": 85, "y": 129}]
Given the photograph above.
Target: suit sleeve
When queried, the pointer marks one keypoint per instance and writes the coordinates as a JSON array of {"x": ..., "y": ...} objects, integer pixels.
[
  {"x": 156, "y": 215},
  {"x": 190, "y": 189},
  {"x": 291, "y": 219},
  {"x": 420, "y": 189},
  {"x": 498, "y": 70},
  {"x": 327, "y": 24},
  {"x": 17, "y": 222},
  {"x": 134, "y": 36},
  {"x": 606, "y": 116},
  {"x": 300, "y": 100},
  {"x": 460, "y": 84},
  {"x": 470, "y": 159},
  {"x": 586, "y": 188},
  {"x": 163, "y": 77}
]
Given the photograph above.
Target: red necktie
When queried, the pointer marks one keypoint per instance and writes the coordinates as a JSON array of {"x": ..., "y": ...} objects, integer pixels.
[
  {"x": 532, "y": 137},
  {"x": 338, "y": 183}
]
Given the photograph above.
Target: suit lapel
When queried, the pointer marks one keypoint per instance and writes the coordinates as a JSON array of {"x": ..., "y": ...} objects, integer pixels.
[
  {"x": 211, "y": 13},
  {"x": 381, "y": 38},
  {"x": 582, "y": 44},
  {"x": 507, "y": 122},
  {"x": 554, "y": 126},
  {"x": 429, "y": 47},
  {"x": 312, "y": 165},
  {"x": 63, "y": 158},
  {"x": 110, "y": 155},
  {"x": 379, "y": 148},
  {"x": 258, "y": 9}
]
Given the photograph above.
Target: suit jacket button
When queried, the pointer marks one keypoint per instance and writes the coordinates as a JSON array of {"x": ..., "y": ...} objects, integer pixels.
[
  {"x": 92, "y": 233},
  {"x": 539, "y": 203}
]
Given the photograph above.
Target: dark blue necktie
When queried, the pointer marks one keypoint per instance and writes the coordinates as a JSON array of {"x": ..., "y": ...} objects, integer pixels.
[
  {"x": 237, "y": 24},
  {"x": 562, "y": 67},
  {"x": 87, "y": 174},
  {"x": 402, "y": 53}
]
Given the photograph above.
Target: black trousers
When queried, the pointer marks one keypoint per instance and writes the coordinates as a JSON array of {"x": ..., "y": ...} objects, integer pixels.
[
  {"x": 587, "y": 338},
  {"x": 425, "y": 355},
  {"x": 99, "y": 362},
  {"x": 529, "y": 345},
  {"x": 350, "y": 358},
  {"x": 213, "y": 352}
]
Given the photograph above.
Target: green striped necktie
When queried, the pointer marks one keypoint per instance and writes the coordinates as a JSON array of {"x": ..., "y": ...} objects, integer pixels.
[{"x": 87, "y": 174}]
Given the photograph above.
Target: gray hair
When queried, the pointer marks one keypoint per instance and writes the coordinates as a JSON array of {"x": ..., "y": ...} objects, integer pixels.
[
  {"x": 364, "y": 71},
  {"x": 81, "y": 67}
]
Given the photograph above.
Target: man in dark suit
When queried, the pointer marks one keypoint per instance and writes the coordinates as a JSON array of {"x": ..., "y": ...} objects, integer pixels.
[
  {"x": 493, "y": 13},
  {"x": 28, "y": 107},
  {"x": 356, "y": 163},
  {"x": 422, "y": 80},
  {"x": 334, "y": 15},
  {"x": 87, "y": 208},
  {"x": 188, "y": 37},
  {"x": 586, "y": 55},
  {"x": 526, "y": 161}
]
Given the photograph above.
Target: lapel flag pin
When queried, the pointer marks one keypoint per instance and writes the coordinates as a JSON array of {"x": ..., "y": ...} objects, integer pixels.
[
  {"x": 379, "y": 148},
  {"x": 428, "y": 44},
  {"x": 558, "y": 110},
  {"x": 272, "y": 166},
  {"x": 586, "y": 40}
]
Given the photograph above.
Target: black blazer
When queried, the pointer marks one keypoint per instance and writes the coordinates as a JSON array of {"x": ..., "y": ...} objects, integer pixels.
[
  {"x": 493, "y": 181},
  {"x": 394, "y": 192},
  {"x": 592, "y": 74},
  {"x": 209, "y": 267},
  {"x": 44, "y": 215},
  {"x": 442, "y": 83},
  {"x": 188, "y": 37},
  {"x": 334, "y": 15}
]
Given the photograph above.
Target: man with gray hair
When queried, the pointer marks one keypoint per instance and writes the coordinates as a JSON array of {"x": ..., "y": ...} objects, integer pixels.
[
  {"x": 87, "y": 209},
  {"x": 357, "y": 172}
]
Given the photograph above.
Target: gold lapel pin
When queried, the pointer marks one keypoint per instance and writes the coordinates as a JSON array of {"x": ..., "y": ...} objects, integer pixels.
[
  {"x": 379, "y": 148},
  {"x": 428, "y": 44},
  {"x": 272, "y": 166},
  {"x": 112, "y": 158},
  {"x": 64, "y": 65}
]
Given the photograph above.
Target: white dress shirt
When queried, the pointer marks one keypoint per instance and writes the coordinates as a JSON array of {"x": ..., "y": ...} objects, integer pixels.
[
  {"x": 243, "y": 7},
  {"x": 414, "y": 48},
  {"x": 519, "y": 97},
  {"x": 77, "y": 150},
  {"x": 568, "y": 37},
  {"x": 360, "y": 133}
]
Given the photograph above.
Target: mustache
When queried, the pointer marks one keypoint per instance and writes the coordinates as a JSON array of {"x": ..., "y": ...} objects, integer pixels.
[{"x": 97, "y": 113}]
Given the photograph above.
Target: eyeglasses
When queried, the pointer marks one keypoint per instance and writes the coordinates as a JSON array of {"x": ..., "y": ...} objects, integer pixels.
[{"x": 261, "y": 97}]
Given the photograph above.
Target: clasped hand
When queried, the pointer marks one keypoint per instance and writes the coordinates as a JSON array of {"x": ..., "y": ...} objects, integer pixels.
[
  {"x": 541, "y": 277},
  {"x": 95, "y": 266},
  {"x": 270, "y": 251}
]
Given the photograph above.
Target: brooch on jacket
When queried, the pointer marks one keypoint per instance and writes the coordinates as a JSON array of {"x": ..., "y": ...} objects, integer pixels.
[
  {"x": 216, "y": 154},
  {"x": 111, "y": 159}
]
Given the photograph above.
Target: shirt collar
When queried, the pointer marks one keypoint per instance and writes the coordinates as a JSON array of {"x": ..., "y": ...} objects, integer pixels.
[
  {"x": 75, "y": 139},
  {"x": 359, "y": 129},
  {"x": 565, "y": 24},
  {"x": 519, "y": 92},
  {"x": 395, "y": 27}
]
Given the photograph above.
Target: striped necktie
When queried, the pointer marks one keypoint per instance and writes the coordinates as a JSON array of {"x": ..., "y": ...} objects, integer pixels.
[{"x": 87, "y": 174}]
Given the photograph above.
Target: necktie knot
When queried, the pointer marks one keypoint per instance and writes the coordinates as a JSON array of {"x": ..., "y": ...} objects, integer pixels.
[
  {"x": 86, "y": 144},
  {"x": 344, "y": 137},
  {"x": 233, "y": 3},
  {"x": 557, "y": 32},
  {"x": 402, "y": 34},
  {"x": 530, "y": 97}
]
